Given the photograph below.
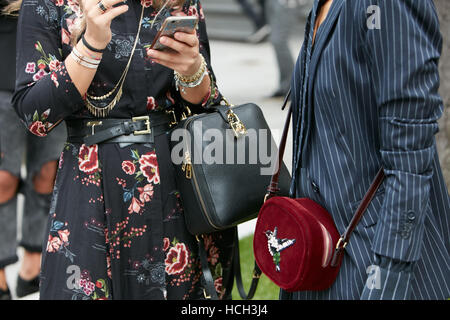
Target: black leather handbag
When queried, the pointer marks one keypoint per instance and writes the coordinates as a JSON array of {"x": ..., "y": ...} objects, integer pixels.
[{"x": 226, "y": 157}]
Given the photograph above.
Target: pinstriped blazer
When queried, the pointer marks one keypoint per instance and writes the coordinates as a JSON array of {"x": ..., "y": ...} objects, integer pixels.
[{"x": 364, "y": 97}]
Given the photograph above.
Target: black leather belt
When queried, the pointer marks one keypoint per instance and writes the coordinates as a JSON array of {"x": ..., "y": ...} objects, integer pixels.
[{"x": 123, "y": 131}]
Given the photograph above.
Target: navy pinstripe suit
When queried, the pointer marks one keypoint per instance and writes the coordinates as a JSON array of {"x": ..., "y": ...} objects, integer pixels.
[{"x": 366, "y": 96}]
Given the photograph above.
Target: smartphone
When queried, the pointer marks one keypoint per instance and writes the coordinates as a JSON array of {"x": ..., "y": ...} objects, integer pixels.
[{"x": 172, "y": 25}]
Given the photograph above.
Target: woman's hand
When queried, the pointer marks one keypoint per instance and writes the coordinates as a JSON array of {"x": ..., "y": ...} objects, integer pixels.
[
  {"x": 98, "y": 23},
  {"x": 184, "y": 56}
]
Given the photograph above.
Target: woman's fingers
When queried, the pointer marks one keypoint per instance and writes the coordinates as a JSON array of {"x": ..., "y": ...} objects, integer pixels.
[
  {"x": 93, "y": 4},
  {"x": 178, "y": 46},
  {"x": 189, "y": 39},
  {"x": 112, "y": 13}
]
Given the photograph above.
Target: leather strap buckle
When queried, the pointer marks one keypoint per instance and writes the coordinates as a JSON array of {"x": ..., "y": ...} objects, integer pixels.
[
  {"x": 173, "y": 121},
  {"x": 147, "y": 123},
  {"x": 92, "y": 124},
  {"x": 341, "y": 244}
]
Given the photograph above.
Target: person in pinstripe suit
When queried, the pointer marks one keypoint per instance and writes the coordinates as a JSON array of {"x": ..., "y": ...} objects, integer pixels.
[{"x": 365, "y": 96}]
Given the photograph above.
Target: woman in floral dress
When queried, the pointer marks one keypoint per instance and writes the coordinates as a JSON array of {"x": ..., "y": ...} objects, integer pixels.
[{"x": 116, "y": 226}]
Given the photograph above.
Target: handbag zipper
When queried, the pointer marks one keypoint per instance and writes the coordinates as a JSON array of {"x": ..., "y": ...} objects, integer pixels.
[
  {"x": 193, "y": 176},
  {"x": 187, "y": 165}
]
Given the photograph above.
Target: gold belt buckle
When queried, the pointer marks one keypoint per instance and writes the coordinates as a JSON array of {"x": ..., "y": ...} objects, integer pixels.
[
  {"x": 147, "y": 123},
  {"x": 92, "y": 124}
]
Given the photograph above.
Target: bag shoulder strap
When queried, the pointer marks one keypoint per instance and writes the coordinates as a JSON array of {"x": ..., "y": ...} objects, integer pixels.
[
  {"x": 345, "y": 238},
  {"x": 273, "y": 188}
]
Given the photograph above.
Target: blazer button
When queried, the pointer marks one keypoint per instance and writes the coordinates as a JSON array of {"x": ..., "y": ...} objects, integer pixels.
[
  {"x": 315, "y": 187},
  {"x": 411, "y": 216}
]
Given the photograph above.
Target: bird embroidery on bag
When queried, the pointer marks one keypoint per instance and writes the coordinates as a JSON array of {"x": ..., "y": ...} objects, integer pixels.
[{"x": 276, "y": 245}]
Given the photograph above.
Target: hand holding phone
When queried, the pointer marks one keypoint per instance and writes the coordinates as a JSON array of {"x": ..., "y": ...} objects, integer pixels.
[{"x": 171, "y": 26}]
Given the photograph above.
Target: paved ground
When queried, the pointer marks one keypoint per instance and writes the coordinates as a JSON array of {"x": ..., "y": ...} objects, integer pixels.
[{"x": 246, "y": 73}]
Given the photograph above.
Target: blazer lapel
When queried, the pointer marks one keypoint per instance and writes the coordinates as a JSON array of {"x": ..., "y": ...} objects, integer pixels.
[
  {"x": 321, "y": 40},
  {"x": 299, "y": 90},
  {"x": 322, "y": 37}
]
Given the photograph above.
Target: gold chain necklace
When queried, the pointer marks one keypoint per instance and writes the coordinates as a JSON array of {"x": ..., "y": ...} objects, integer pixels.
[{"x": 102, "y": 112}]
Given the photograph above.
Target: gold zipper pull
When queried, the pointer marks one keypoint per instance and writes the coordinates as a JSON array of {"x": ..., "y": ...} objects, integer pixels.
[{"x": 187, "y": 165}]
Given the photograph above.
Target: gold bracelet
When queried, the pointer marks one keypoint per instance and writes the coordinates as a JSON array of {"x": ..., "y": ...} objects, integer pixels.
[{"x": 196, "y": 76}]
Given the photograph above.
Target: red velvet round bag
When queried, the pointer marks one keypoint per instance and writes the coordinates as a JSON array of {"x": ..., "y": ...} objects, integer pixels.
[{"x": 294, "y": 243}]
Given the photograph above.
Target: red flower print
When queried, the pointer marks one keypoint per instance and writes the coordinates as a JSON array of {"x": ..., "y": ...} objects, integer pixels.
[
  {"x": 59, "y": 3},
  {"x": 149, "y": 167},
  {"x": 213, "y": 256},
  {"x": 151, "y": 103},
  {"x": 135, "y": 206},
  {"x": 54, "y": 78},
  {"x": 31, "y": 67},
  {"x": 54, "y": 65},
  {"x": 177, "y": 259},
  {"x": 146, "y": 193},
  {"x": 128, "y": 167},
  {"x": 166, "y": 244},
  {"x": 88, "y": 159},
  {"x": 218, "y": 284},
  {"x": 99, "y": 284},
  {"x": 146, "y": 3},
  {"x": 193, "y": 11},
  {"x": 37, "y": 128},
  {"x": 64, "y": 235},
  {"x": 53, "y": 244},
  {"x": 40, "y": 74}
]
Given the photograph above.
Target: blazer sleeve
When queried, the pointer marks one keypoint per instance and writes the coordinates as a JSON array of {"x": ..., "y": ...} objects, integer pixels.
[
  {"x": 403, "y": 50},
  {"x": 44, "y": 92}
]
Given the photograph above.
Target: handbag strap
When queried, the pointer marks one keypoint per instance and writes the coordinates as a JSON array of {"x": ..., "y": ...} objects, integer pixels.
[
  {"x": 273, "y": 190},
  {"x": 238, "y": 274},
  {"x": 345, "y": 238},
  {"x": 209, "y": 291}
]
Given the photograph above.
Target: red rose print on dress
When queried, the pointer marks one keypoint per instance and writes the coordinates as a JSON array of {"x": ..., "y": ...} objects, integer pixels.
[
  {"x": 166, "y": 244},
  {"x": 88, "y": 159},
  {"x": 177, "y": 259},
  {"x": 149, "y": 167},
  {"x": 128, "y": 167},
  {"x": 151, "y": 103},
  {"x": 37, "y": 128},
  {"x": 218, "y": 284},
  {"x": 53, "y": 244},
  {"x": 146, "y": 3}
]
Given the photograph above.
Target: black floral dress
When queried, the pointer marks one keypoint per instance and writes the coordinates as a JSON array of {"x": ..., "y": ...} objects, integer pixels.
[{"x": 116, "y": 226}]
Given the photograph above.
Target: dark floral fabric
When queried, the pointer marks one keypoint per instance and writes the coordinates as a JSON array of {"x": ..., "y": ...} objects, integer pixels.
[
  {"x": 44, "y": 31},
  {"x": 116, "y": 226}
]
